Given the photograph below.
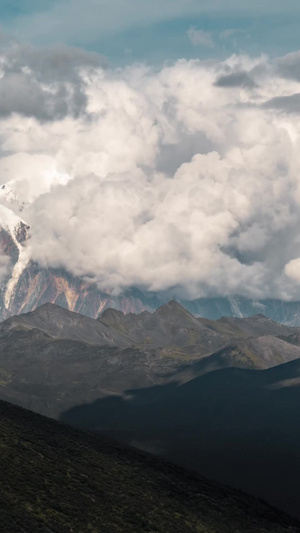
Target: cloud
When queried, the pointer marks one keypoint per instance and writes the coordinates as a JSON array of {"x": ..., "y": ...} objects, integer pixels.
[
  {"x": 289, "y": 66},
  {"x": 234, "y": 37},
  {"x": 228, "y": 34},
  {"x": 292, "y": 269},
  {"x": 45, "y": 83},
  {"x": 287, "y": 104},
  {"x": 236, "y": 79},
  {"x": 200, "y": 38},
  {"x": 167, "y": 179}
]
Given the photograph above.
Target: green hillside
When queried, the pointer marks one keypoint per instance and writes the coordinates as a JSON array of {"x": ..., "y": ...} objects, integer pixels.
[{"x": 57, "y": 479}]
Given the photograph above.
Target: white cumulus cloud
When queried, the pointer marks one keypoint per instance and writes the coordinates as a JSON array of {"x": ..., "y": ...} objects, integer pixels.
[{"x": 185, "y": 178}]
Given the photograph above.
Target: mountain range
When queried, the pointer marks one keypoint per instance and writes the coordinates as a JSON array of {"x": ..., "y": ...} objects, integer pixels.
[
  {"x": 26, "y": 286},
  {"x": 220, "y": 397},
  {"x": 52, "y": 359}
]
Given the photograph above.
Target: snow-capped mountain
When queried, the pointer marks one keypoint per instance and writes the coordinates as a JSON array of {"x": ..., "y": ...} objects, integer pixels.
[
  {"x": 13, "y": 236},
  {"x": 11, "y": 197},
  {"x": 13, "y": 225},
  {"x": 25, "y": 286}
]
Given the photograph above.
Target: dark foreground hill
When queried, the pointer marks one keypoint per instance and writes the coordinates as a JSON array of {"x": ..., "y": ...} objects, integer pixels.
[{"x": 58, "y": 479}]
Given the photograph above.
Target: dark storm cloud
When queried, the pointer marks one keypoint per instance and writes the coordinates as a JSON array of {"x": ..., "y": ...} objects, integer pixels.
[
  {"x": 236, "y": 79},
  {"x": 289, "y": 66},
  {"x": 44, "y": 83},
  {"x": 21, "y": 94},
  {"x": 287, "y": 104},
  {"x": 57, "y": 63}
]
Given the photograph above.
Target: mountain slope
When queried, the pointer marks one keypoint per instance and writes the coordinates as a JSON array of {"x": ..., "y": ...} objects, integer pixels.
[
  {"x": 169, "y": 325},
  {"x": 52, "y": 359},
  {"x": 182, "y": 399},
  {"x": 59, "y": 479},
  {"x": 63, "y": 324},
  {"x": 172, "y": 324},
  {"x": 241, "y": 427},
  {"x": 256, "y": 325}
]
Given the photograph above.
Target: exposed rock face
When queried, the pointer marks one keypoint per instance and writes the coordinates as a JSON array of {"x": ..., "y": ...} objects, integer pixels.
[
  {"x": 37, "y": 286},
  {"x": 14, "y": 233}
]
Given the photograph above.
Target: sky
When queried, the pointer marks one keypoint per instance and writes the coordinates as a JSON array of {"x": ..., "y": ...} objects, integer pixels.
[
  {"x": 157, "y": 31},
  {"x": 156, "y": 144}
]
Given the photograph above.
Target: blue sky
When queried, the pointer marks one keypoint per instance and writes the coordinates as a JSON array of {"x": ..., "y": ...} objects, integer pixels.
[{"x": 157, "y": 31}]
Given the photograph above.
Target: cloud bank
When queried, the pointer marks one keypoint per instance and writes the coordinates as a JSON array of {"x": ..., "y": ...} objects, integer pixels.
[{"x": 185, "y": 178}]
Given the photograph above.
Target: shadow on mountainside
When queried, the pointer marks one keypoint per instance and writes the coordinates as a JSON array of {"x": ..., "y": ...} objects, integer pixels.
[{"x": 240, "y": 427}]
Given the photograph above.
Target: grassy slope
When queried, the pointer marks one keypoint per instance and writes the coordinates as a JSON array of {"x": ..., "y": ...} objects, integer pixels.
[{"x": 59, "y": 479}]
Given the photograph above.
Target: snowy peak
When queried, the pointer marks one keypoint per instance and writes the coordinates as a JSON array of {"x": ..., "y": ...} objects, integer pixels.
[
  {"x": 13, "y": 225},
  {"x": 10, "y": 195},
  {"x": 13, "y": 234}
]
